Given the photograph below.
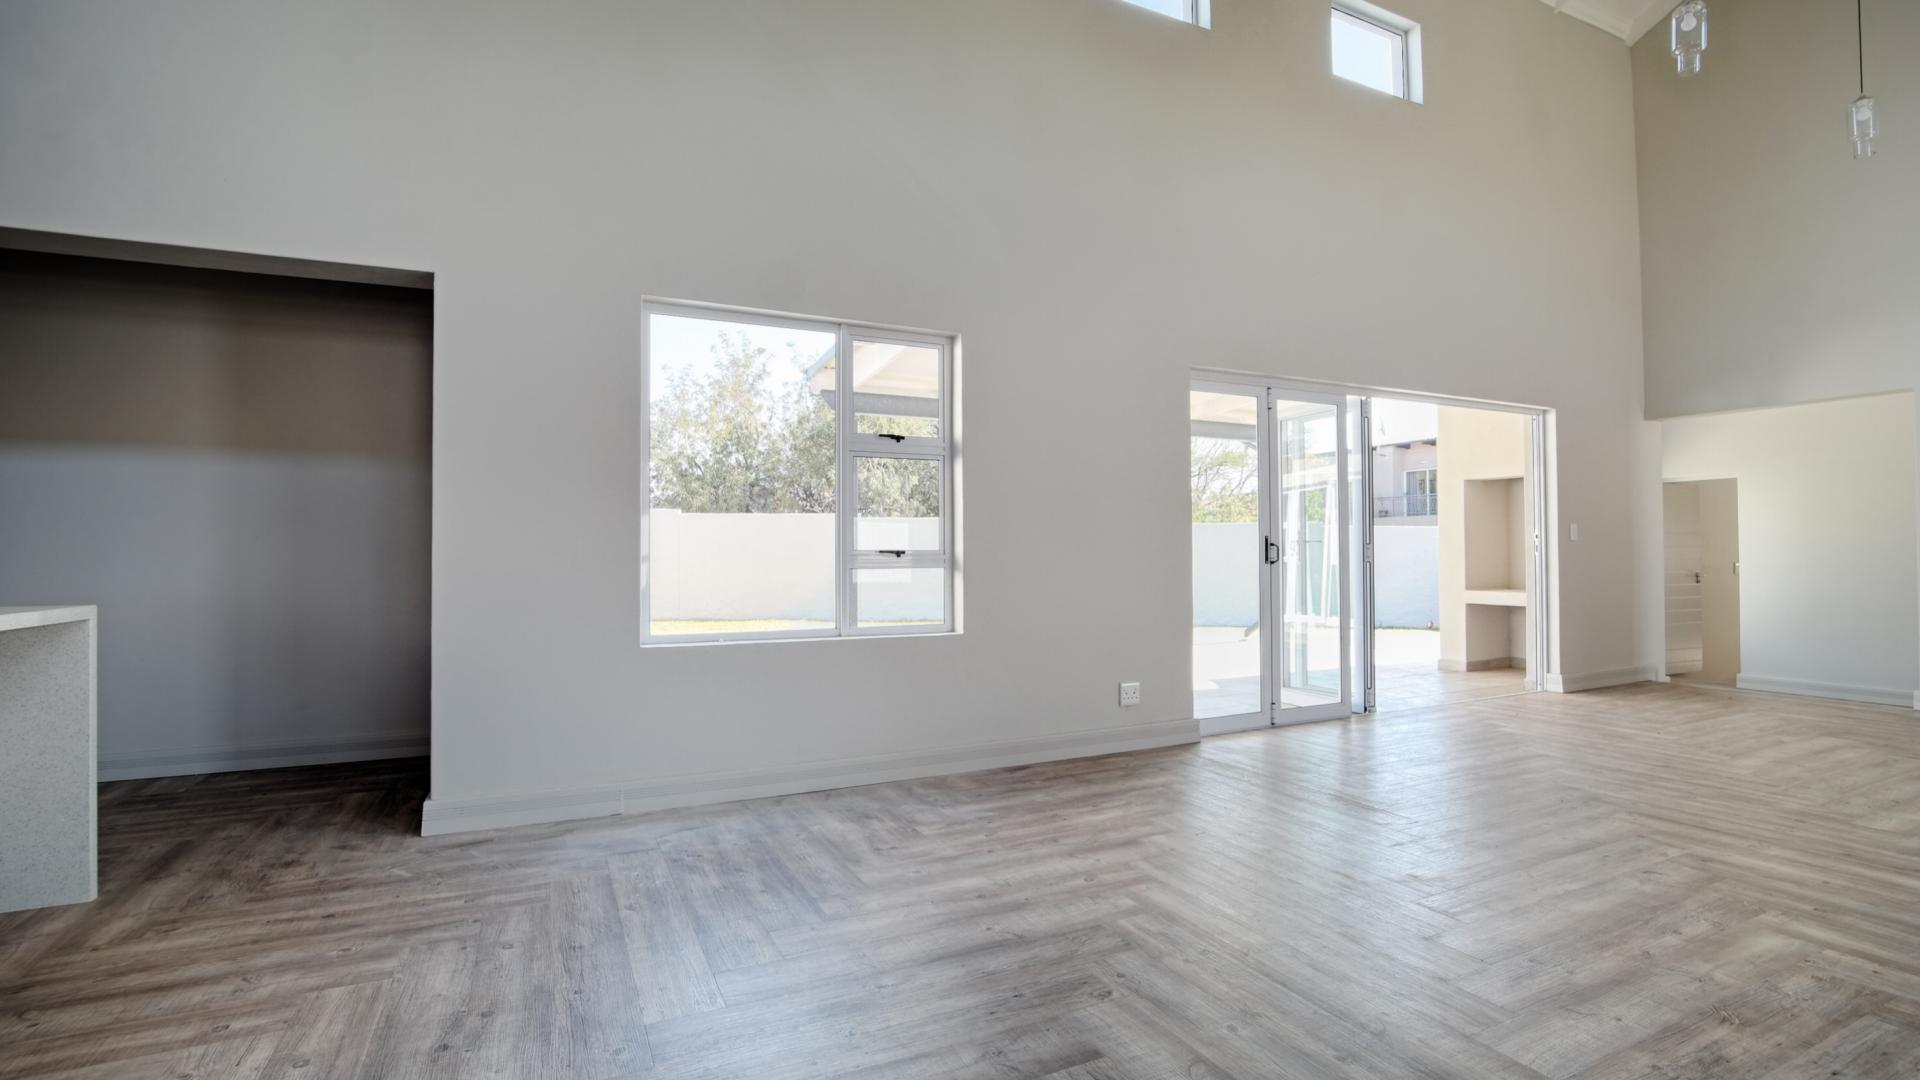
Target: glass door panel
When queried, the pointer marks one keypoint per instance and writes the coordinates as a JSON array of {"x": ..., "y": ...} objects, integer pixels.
[
  {"x": 1309, "y": 439},
  {"x": 1231, "y": 580}
]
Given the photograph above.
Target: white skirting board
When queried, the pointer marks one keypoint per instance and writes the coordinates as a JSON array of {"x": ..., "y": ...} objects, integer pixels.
[
  {"x": 1872, "y": 695},
  {"x": 442, "y": 816},
  {"x": 146, "y": 764},
  {"x": 1596, "y": 680}
]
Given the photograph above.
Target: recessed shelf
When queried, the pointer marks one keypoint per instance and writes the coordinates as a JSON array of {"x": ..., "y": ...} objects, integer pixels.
[
  {"x": 1496, "y": 545},
  {"x": 1497, "y": 597}
]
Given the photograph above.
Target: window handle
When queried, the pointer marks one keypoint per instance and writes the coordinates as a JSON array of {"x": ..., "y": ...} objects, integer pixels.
[
  {"x": 898, "y": 553},
  {"x": 889, "y": 435}
]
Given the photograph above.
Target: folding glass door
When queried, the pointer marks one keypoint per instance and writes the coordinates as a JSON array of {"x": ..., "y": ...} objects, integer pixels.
[{"x": 1272, "y": 633}]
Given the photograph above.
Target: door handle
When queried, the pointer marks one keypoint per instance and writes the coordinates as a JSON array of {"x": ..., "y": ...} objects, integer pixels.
[{"x": 1271, "y": 554}]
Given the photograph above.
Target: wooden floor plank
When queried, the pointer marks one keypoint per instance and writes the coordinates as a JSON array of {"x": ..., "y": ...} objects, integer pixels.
[{"x": 1642, "y": 882}]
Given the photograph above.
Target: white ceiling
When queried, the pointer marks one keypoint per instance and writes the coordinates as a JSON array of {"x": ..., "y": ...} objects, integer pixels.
[{"x": 1624, "y": 19}]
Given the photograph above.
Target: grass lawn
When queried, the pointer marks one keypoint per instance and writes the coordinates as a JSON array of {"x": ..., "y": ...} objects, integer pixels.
[
  {"x": 664, "y": 627},
  {"x": 703, "y": 627}
]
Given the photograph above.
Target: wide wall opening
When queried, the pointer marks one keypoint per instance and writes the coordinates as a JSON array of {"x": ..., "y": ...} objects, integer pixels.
[
  {"x": 1354, "y": 551},
  {"x": 236, "y": 469}
]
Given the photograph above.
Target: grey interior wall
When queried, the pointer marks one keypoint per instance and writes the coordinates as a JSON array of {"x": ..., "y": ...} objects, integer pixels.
[
  {"x": 1098, "y": 199},
  {"x": 1778, "y": 269},
  {"x": 235, "y": 469},
  {"x": 1826, "y": 540}
]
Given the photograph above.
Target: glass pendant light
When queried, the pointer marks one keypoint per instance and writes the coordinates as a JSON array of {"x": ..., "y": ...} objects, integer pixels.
[
  {"x": 1689, "y": 36},
  {"x": 1860, "y": 113},
  {"x": 1864, "y": 128}
]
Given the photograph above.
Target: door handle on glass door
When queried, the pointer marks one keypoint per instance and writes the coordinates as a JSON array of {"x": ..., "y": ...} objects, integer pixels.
[{"x": 1272, "y": 553}]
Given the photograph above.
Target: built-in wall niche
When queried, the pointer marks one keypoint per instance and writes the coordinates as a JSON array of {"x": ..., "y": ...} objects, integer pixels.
[
  {"x": 1494, "y": 513},
  {"x": 1496, "y": 540}
]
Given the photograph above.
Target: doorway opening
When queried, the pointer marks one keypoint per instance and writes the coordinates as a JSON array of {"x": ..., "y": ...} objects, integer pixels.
[
  {"x": 1270, "y": 503},
  {"x": 1455, "y": 534},
  {"x": 231, "y": 456},
  {"x": 1355, "y": 551},
  {"x": 1702, "y": 540}
]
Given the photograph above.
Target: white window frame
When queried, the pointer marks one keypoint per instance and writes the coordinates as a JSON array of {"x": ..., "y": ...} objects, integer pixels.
[
  {"x": 1409, "y": 76},
  {"x": 1429, "y": 481},
  {"x": 850, "y": 445},
  {"x": 1194, "y": 12}
]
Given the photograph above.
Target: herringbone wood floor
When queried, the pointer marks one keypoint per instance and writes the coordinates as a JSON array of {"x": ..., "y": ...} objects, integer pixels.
[{"x": 1650, "y": 881}]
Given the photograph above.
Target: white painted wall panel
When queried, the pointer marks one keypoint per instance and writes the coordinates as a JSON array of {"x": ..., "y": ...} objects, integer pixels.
[
  {"x": 1826, "y": 538},
  {"x": 1097, "y": 198}
]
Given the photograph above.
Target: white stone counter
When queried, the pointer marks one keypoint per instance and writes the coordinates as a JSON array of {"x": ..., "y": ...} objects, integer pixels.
[{"x": 48, "y": 751}]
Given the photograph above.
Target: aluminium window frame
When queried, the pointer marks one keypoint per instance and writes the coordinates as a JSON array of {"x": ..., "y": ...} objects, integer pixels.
[
  {"x": 1195, "y": 13},
  {"x": 1409, "y": 78},
  {"x": 1429, "y": 478},
  {"x": 849, "y": 445},
  {"x": 855, "y": 446}
]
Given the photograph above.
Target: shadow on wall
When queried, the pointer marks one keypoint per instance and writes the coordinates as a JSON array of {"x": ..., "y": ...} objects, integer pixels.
[{"x": 236, "y": 469}]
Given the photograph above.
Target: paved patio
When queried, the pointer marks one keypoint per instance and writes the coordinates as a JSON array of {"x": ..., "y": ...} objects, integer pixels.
[{"x": 1226, "y": 673}]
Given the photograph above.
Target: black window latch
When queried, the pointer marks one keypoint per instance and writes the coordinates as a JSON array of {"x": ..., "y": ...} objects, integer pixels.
[
  {"x": 898, "y": 553},
  {"x": 890, "y": 435}
]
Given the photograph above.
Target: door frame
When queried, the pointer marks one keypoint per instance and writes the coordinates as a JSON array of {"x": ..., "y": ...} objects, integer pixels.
[
  {"x": 1263, "y": 463},
  {"x": 1341, "y": 512},
  {"x": 1357, "y": 582},
  {"x": 1272, "y": 531},
  {"x": 1666, "y": 675},
  {"x": 1538, "y": 602}
]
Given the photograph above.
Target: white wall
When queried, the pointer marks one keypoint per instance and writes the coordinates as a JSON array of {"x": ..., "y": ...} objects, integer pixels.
[
  {"x": 1778, "y": 269},
  {"x": 1097, "y": 198},
  {"x": 1485, "y": 460},
  {"x": 234, "y": 469},
  {"x": 1406, "y": 571},
  {"x": 1826, "y": 540}
]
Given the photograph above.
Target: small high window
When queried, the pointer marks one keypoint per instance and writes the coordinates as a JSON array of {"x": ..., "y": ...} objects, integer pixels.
[
  {"x": 1376, "y": 48},
  {"x": 1196, "y": 12}
]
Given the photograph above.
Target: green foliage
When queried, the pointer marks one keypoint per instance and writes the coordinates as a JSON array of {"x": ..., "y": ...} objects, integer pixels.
[
  {"x": 1313, "y": 504},
  {"x": 1225, "y": 484},
  {"x": 725, "y": 442},
  {"x": 1225, "y": 479},
  {"x": 898, "y": 487}
]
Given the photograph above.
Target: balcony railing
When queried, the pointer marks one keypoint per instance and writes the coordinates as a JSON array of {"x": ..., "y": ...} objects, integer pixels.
[{"x": 1393, "y": 506}]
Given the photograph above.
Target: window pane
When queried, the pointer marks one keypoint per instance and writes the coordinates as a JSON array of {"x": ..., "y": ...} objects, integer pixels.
[
  {"x": 899, "y": 504},
  {"x": 1367, "y": 54},
  {"x": 896, "y": 389},
  {"x": 1175, "y": 8},
  {"x": 742, "y": 473},
  {"x": 1224, "y": 461},
  {"x": 904, "y": 597}
]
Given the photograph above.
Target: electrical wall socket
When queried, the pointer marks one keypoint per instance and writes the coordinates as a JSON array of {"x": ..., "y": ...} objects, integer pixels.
[{"x": 1129, "y": 694}]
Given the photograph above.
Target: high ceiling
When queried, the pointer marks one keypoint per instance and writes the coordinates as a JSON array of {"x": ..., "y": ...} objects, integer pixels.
[{"x": 1624, "y": 19}]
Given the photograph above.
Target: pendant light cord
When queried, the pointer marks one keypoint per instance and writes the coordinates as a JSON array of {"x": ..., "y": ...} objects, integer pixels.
[{"x": 1860, "y": 29}]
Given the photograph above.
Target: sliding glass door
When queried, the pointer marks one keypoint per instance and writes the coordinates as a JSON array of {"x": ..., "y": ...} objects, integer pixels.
[
  {"x": 1227, "y": 437},
  {"x": 1271, "y": 573},
  {"x": 1313, "y": 671}
]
